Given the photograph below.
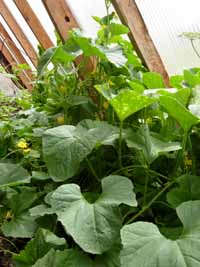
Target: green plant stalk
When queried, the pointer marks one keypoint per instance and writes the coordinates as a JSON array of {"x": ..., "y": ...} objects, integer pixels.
[
  {"x": 193, "y": 167},
  {"x": 146, "y": 207},
  {"x": 120, "y": 144},
  {"x": 146, "y": 187},
  {"x": 92, "y": 169},
  {"x": 194, "y": 48},
  {"x": 181, "y": 152},
  {"x": 132, "y": 167}
]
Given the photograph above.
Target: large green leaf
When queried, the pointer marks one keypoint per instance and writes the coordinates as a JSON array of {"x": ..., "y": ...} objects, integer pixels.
[
  {"x": 127, "y": 102},
  {"x": 145, "y": 246},
  {"x": 179, "y": 112},
  {"x": 188, "y": 188},
  {"x": 64, "y": 147},
  {"x": 12, "y": 174},
  {"x": 94, "y": 226},
  {"x": 67, "y": 258},
  {"x": 149, "y": 143},
  {"x": 36, "y": 248}
]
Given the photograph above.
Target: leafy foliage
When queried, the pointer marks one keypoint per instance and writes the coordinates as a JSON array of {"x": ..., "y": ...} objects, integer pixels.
[{"x": 100, "y": 148}]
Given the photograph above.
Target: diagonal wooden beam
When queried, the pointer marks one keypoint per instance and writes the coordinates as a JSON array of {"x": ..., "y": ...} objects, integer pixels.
[
  {"x": 61, "y": 16},
  {"x": 34, "y": 23},
  {"x": 18, "y": 32},
  {"x": 12, "y": 62},
  {"x": 20, "y": 58},
  {"x": 139, "y": 35}
]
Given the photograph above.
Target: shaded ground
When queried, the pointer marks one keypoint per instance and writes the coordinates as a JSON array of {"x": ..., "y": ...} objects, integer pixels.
[{"x": 5, "y": 260}]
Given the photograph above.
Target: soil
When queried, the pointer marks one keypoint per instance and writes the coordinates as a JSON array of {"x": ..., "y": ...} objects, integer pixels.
[{"x": 5, "y": 260}]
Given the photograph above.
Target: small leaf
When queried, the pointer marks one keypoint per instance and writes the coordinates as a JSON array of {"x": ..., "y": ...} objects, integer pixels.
[
  {"x": 67, "y": 258},
  {"x": 153, "y": 80},
  {"x": 175, "y": 109},
  {"x": 12, "y": 174},
  {"x": 118, "y": 29},
  {"x": 21, "y": 224},
  {"x": 192, "y": 79},
  {"x": 128, "y": 102},
  {"x": 188, "y": 189},
  {"x": 53, "y": 54},
  {"x": 115, "y": 56},
  {"x": 43, "y": 241},
  {"x": 149, "y": 143}
]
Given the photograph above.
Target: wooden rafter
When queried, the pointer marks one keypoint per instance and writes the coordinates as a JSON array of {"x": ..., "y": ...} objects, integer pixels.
[
  {"x": 4, "y": 62},
  {"x": 139, "y": 35},
  {"x": 18, "y": 32},
  {"x": 20, "y": 58},
  {"x": 61, "y": 15},
  {"x": 64, "y": 20},
  {"x": 34, "y": 23},
  {"x": 13, "y": 62}
]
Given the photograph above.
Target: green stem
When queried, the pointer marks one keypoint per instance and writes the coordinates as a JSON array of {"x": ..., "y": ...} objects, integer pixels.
[
  {"x": 120, "y": 144},
  {"x": 132, "y": 167},
  {"x": 195, "y": 50},
  {"x": 92, "y": 169},
  {"x": 181, "y": 152},
  {"x": 146, "y": 187},
  {"x": 167, "y": 185},
  {"x": 193, "y": 167},
  {"x": 10, "y": 153}
]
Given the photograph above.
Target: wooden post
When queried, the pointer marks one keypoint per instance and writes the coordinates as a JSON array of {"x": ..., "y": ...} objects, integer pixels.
[
  {"x": 12, "y": 62},
  {"x": 61, "y": 15},
  {"x": 139, "y": 35},
  {"x": 17, "y": 31},
  {"x": 34, "y": 23},
  {"x": 20, "y": 58}
]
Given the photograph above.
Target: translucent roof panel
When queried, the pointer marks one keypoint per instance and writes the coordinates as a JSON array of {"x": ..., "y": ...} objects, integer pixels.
[
  {"x": 166, "y": 21},
  {"x": 83, "y": 11}
]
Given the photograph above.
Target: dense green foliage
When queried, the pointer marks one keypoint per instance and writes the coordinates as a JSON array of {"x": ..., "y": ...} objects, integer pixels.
[{"x": 99, "y": 167}]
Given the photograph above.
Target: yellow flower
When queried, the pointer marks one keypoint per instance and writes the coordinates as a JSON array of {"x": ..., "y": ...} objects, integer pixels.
[
  {"x": 149, "y": 121},
  {"x": 188, "y": 162},
  {"x": 22, "y": 144},
  {"x": 27, "y": 150},
  {"x": 106, "y": 105},
  {"x": 110, "y": 82},
  {"x": 62, "y": 89},
  {"x": 60, "y": 119},
  {"x": 8, "y": 215}
]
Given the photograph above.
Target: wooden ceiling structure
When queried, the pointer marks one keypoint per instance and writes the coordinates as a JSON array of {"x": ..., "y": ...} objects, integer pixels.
[{"x": 64, "y": 20}]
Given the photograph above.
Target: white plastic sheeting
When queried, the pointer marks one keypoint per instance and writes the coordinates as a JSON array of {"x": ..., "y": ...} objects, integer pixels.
[
  {"x": 166, "y": 21},
  {"x": 83, "y": 10}
]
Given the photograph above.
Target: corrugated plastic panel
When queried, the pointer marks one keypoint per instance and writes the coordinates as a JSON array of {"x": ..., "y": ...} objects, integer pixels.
[{"x": 166, "y": 21}]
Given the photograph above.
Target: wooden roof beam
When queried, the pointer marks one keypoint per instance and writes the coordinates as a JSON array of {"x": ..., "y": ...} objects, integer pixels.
[
  {"x": 18, "y": 32},
  {"x": 139, "y": 35},
  {"x": 12, "y": 62},
  {"x": 61, "y": 16},
  {"x": 34, "y": 23},
  {"x": 20, "y": 58}
]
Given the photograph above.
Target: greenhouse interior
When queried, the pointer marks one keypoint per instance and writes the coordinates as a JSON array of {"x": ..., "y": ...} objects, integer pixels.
[{"x": 99, "y": 133}]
